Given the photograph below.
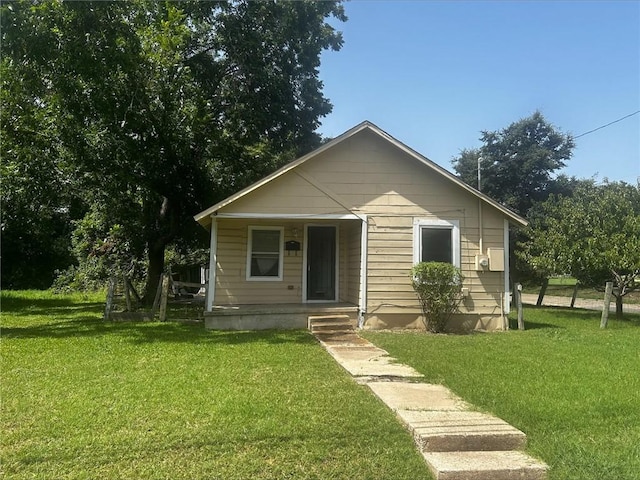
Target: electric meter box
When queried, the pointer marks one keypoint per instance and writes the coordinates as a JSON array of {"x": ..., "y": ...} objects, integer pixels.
[
  {"x": 482, "y": 263},
  {"x": 496, "y": 259}
]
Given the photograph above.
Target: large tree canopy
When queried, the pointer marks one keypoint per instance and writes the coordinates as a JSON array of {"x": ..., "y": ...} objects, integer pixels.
[
  {"x": 594, "y": 235},
  {"x": 517, "y": 163},
  {"x": 153, "y": 110}
]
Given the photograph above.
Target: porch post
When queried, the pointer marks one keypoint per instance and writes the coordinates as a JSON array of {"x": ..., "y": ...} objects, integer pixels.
[
  {"x": 364, "y": 241},
  {"x": 213, "y": 262}
]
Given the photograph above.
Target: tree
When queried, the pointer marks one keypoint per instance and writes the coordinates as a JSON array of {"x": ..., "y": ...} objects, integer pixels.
[
  {"x": 37, "y": 201},
  {"x": 594, "y": 235},
  {"x": 161, "y": 108},
  {"x": 517, "y": 163}
]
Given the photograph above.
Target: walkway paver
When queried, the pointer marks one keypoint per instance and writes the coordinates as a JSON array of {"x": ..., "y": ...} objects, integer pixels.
[
  {"x": 457, "y": 442},
  {"x": 501, "y": 465},
  {"x": 417, "y": 396},
  {"x": 362, "y": 358}
]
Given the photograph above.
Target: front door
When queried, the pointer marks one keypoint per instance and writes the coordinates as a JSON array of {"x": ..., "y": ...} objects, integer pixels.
[{"x": 321, "y": 263}]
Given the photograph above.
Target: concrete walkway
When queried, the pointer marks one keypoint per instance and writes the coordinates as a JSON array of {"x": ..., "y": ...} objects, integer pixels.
[
  {"x": 585, "y": 303},
  {"x": 457, "y": 442}
]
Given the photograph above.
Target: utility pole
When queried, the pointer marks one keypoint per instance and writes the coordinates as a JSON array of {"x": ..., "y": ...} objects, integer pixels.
[{"x": 479, "y": 174}]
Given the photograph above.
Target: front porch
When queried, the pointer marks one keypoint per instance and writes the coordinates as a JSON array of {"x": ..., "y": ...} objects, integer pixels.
[{"x": 274, "y": 316}]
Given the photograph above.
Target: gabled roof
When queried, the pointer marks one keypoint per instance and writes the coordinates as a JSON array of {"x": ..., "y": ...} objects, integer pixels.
[{"x": 204, "y": 217}]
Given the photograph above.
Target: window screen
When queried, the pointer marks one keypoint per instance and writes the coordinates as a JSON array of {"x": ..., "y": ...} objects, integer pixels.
[
  {"x": 265, "y": 253},
  {"x": 436, "y": 245}
]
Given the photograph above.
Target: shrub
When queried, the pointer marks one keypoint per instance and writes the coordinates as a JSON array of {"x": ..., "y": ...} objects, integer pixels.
[{"x": 439, "y": 289}]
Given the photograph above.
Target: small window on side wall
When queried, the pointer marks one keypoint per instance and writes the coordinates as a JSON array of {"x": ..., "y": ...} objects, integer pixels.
[
  {"x": 265, "y": 253},
  {"x": 436, "y": 241}
]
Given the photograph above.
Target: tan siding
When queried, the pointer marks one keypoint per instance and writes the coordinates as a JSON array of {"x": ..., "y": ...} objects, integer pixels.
[
  {"x": 289, "y": 194},
  {"x": 391, "y": 259}
]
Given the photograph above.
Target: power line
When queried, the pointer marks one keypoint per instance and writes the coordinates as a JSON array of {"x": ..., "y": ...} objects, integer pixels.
[{"x": 610, "y": 123}]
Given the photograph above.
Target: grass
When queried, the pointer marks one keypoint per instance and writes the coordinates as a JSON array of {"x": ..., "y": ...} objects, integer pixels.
[
  {"x": 573, "y": 388},
  {"x": 84, "y": 399}
]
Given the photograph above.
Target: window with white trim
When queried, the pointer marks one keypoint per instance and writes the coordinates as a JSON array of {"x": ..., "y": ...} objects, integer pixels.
[
  {"x": 436, "y": 241},
  {"x": 265, "y": 253}
]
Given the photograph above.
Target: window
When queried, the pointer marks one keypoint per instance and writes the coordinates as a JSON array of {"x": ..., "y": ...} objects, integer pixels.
[
  {"x": 436, "y": 241},
  {"x": 265, "y": 253}
]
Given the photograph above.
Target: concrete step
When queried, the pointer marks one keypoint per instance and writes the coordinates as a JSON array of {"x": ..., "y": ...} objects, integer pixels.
[
  {"x": 333, "y": 323},
  {"x": 332, "y": 326},
  {"x": 495, "y": 465},
  {"x": 450, "y": 431}
]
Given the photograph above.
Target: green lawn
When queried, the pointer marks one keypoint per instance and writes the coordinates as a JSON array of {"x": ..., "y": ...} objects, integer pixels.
[
  {"x": 573, "y": 388},
  {"x": 84, "y": 399}
]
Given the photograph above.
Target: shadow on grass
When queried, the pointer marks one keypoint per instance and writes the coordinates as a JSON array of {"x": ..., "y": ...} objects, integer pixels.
[
  {"x": 25, "y": 306},
  {"x": 528, "y": 325},
  {"x": 55, "y": 310},
  {"x": 26, "y": 315},
  {"x": 150, "y": 332}
]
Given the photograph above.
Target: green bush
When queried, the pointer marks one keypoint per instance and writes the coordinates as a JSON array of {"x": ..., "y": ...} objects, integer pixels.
[
  {"x": 103, "y": 248},
  {"x": 439, "y": 289}
]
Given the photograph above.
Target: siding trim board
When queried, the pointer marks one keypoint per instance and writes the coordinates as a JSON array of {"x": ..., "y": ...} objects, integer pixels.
[{"x": 507, "y": 273}]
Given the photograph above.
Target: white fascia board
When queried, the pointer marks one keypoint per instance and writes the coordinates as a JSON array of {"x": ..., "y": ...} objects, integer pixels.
[{"x": 291, "y": 216}]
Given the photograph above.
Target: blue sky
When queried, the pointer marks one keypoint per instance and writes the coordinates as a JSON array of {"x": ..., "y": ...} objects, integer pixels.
[{"x": 434, "y": 74}]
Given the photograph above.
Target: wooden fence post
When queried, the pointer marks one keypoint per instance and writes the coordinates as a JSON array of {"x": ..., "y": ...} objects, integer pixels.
[
  {"x": 110, "y": 292},
  {"x": 156, "y": 299},
  {"x": 133, "y": 290},
  {"x": 518, "y": 292},
  {"x": 605, "y": 308},
  {"x": 127, "y": 295},
  {"x": 543, "y": 290},
  {"x": 163, "y": 297},
  {"x": 575, "y": 294}
]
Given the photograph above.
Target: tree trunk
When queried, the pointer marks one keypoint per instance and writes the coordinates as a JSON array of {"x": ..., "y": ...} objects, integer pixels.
[
  {"x": 155, "y": 256},
  {"x": 619, "y": 307},
  {"x": 161, "y": 218}
]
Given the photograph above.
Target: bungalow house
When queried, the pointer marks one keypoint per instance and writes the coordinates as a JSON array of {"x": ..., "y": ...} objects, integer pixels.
[{"x": 338, "y": 230}]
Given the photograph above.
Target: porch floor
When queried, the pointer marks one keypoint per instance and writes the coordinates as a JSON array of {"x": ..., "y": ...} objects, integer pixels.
[
  {"x": 310, "y": 308},
  {"x": 273, "y": 316}
]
